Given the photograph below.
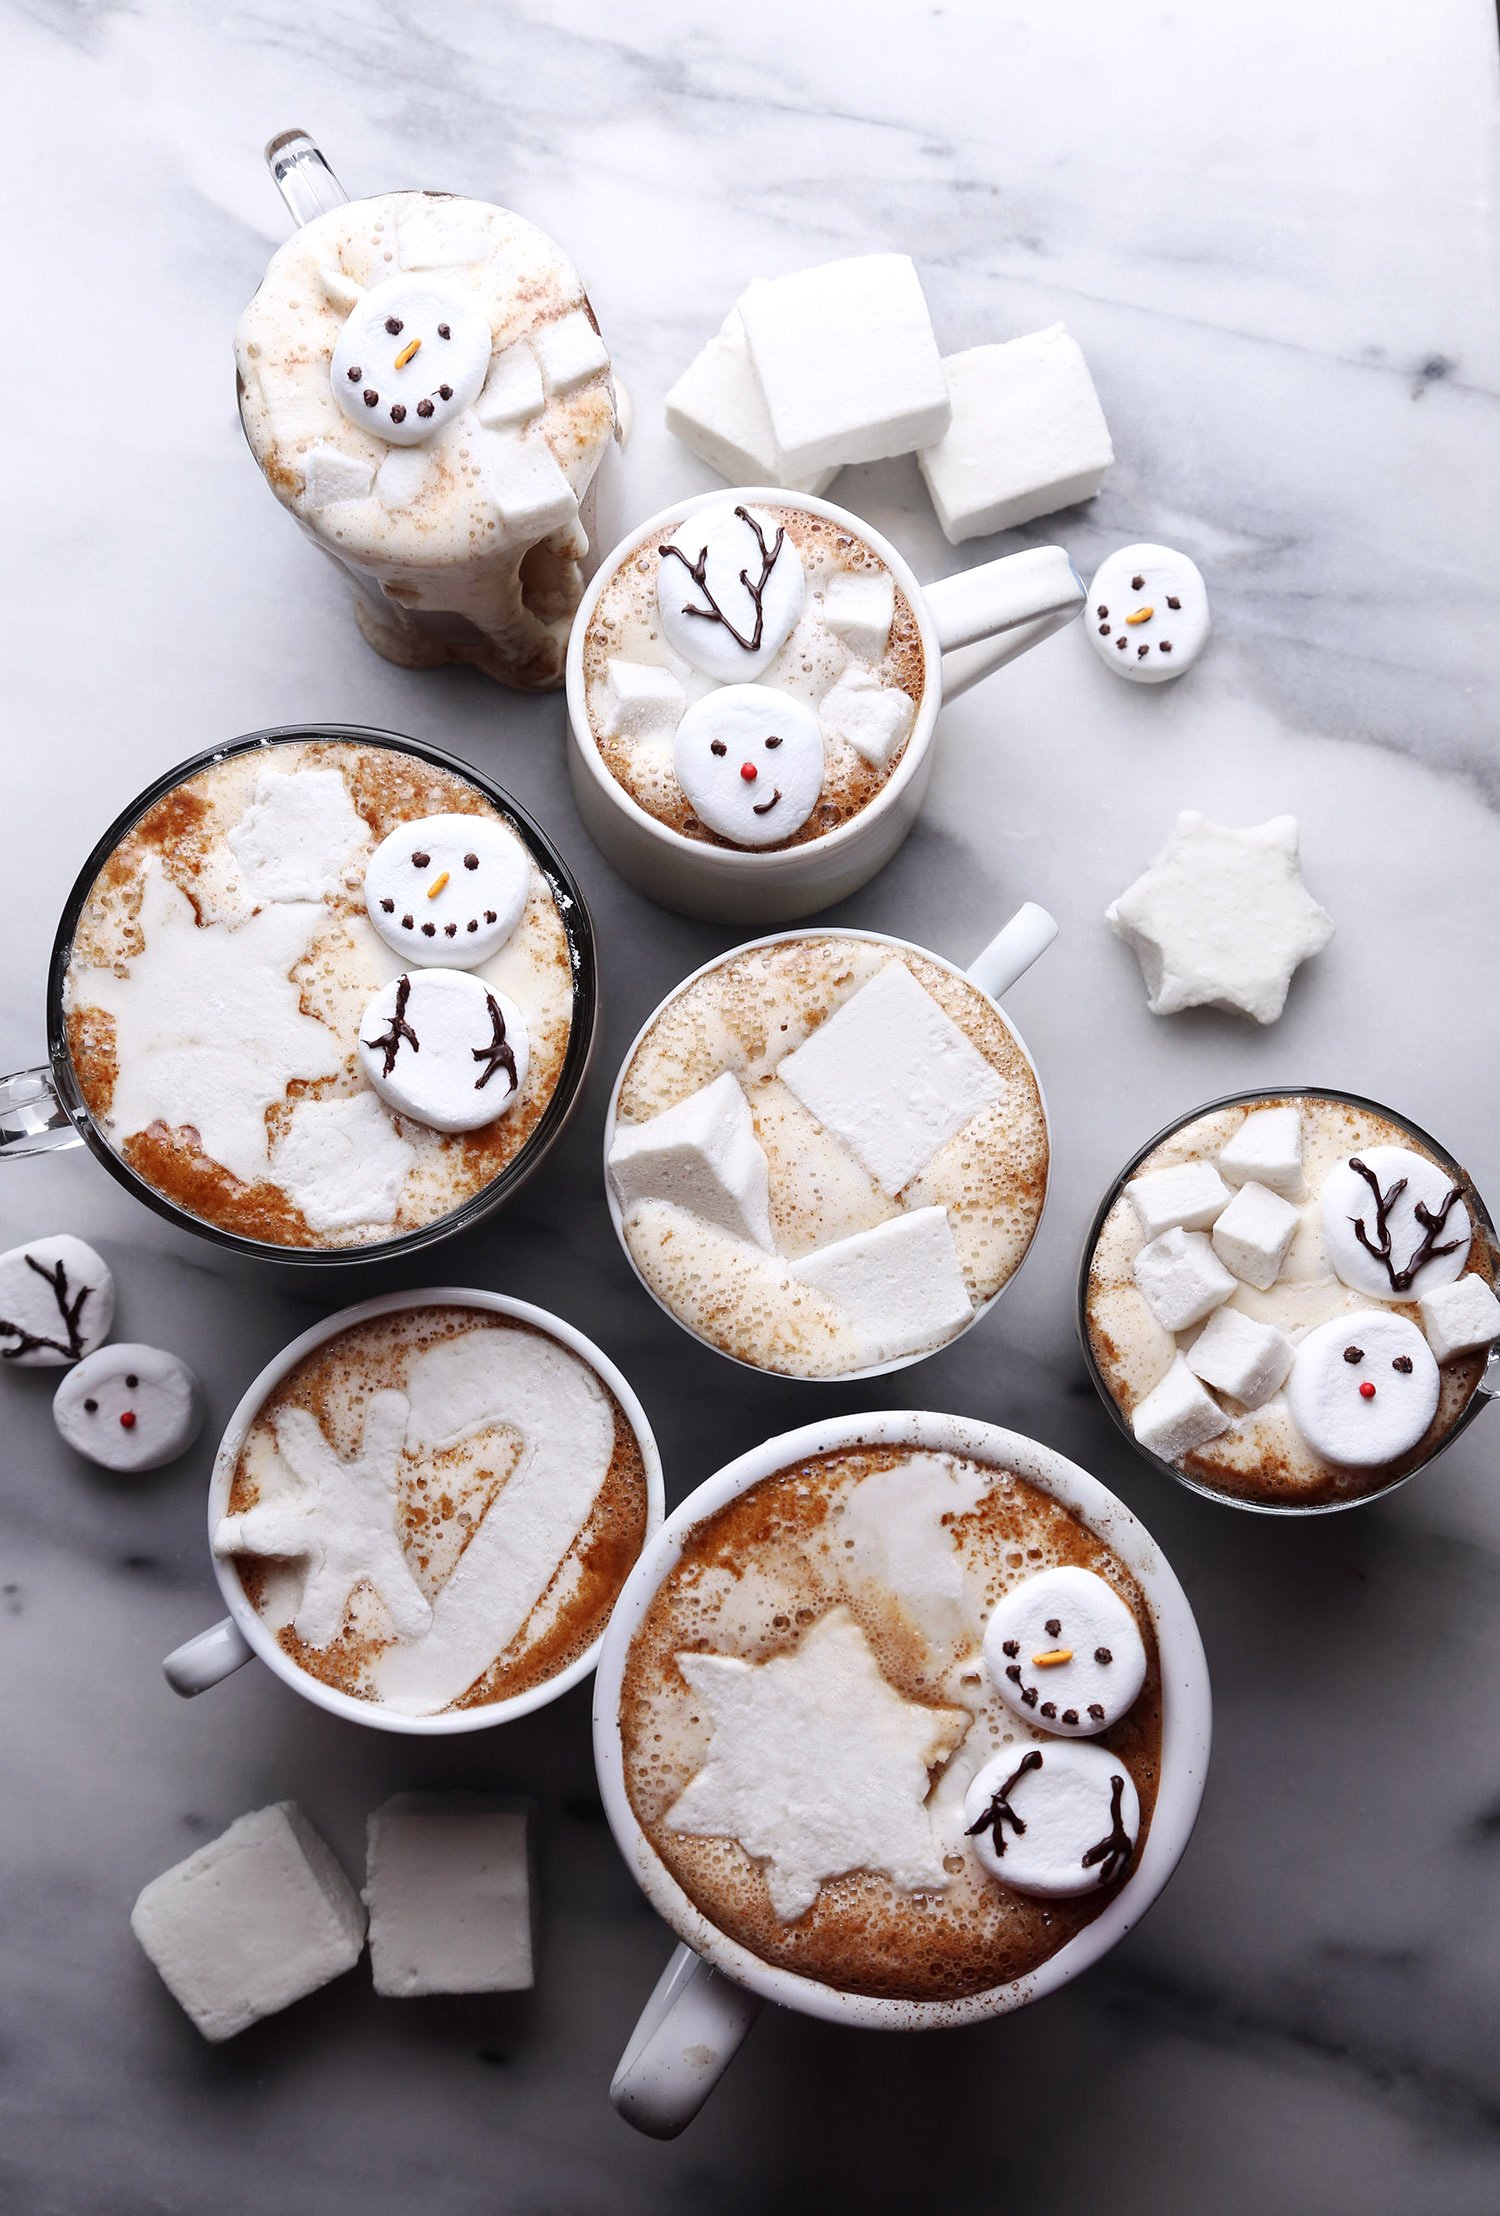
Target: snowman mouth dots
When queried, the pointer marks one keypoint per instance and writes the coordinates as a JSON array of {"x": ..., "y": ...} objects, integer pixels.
[
  {"x": 752, "y": 675},
  {"x": 824, "y": 1746},
  {"x": 1290, "y": 1300},
  {"x": 320, "y": 995}
]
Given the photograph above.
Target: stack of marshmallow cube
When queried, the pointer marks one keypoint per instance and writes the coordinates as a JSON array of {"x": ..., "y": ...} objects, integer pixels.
[{"x": 839, "y": 364}]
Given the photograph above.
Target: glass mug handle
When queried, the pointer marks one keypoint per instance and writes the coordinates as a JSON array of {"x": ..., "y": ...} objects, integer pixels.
[
  {"x": 32, "y": 1118},
  {"x": 690, "y": 2031},
  {"x": 302, "y": 176},
  {"x": 987, "y": 616}
]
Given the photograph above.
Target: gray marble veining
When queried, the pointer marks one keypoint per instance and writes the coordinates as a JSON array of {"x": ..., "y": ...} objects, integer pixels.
[{"x": 1272, "y": 227}]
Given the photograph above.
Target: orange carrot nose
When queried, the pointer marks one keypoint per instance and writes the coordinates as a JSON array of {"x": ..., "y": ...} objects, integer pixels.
[
  {"x": 1367, "y": 1390},
  {"x": 127, "y": 1418},
  {"x": 437, "y": 884},
  {"x": 407, "y": 353},
  {"x": 749, "y": 772}
]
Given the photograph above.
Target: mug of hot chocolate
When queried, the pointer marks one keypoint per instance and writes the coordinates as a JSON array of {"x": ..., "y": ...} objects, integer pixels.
[
  {"x": 1287, "y": 1300},
  {"x": 754, "y": 679},
  {"x": 902, "y": 1721},
  {"x": 423, "y": 384},
  {"x": 423, "y": 1511},
  {"x": 826, "y": 1154},
  {"x": 321, "y": 994}
]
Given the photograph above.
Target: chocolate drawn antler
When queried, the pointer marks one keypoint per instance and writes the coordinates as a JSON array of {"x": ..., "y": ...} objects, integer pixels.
[
  {"x": 713, "y": 613},
  {"x": 498, "y": 1055},
  {"x": 400, "y": 1029},
  {"x": 1380, "y": 1246},
  {"x": 1112, "y": 1853},
  {"x": 27, "y": 1342},
  {"x": 999, "y": 1813}
]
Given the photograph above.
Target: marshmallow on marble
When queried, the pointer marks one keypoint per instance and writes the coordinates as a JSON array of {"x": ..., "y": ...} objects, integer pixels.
[
  {"x": 1177, "y": 1415},
  {"x": 513, "y": 391},
  {"x": 859, "y": 607},
  {"x": 1027, "y": 435},
  {"x": 718, "y": 411},
  {"x": 413, "y": 354},
  {"x": 250, "y": 1923},
  {"x": 570, "y": 351},
  {"x": 448, "y": 1884},
  {"x": 445, "y": 1048},
  {"x": 1181, "y": 1279},
  {"x": 447, "y": 889},
  {"x": 1460, "y": 1318},
  {"x": 1240, "y": 1356},
  {"x": 1363, "y": 1388},
  {"x": 329, "y": 475},
  {"x": 1254, "y": 1235},
  {"x": 1147, "y": 615},
  {"x": 1360, "y": 1195},
  {"x": 847, "y": 362},
  {"x": 1268, "y": 1149},
  {"x": 521, "y": 477},
  {"x": 901, "y": 1285},
  {"x": 57, "y": 1302},
  {"x": 129, "y": 1407},
  {"x": 702, "y": 1155},
  {"x": 871, "y": 717},
  {"x": 1188, "y": 1195},
  {"x": 750, "y": 760},
  {"x": 891, "y": 1075},
  {"x": 1065, "y": 1652},
  {"x": 1053, "y": 1821},
  {"x": 729, "y": 589},
  {"x": 642, "y": 700}
]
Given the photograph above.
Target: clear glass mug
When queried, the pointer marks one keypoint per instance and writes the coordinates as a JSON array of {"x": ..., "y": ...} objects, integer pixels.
[
  {"x": 44, "y": 1108},
  {"x": 1487, "y": 1388}
]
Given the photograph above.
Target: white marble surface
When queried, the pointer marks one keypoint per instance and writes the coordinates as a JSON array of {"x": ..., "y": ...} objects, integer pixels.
[{"x": 1271, "y": 226}]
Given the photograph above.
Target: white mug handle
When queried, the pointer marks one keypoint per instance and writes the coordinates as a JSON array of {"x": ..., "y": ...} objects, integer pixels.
[
  {"x": 216, "y": 1653},
  {"x": 1010, "y": 954},
  {"x": 987, "y": 616},
  {"x": 690, "y": 2031}
]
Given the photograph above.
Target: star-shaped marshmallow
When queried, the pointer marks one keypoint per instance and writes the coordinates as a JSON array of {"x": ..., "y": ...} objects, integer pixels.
[
  {"x": 817, "y": 1765},
  {"x": 1222, "y": 918},
  {"x": 340, "y": 1520}
]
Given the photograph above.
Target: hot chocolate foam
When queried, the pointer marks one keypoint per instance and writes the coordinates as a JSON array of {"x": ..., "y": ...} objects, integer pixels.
[{"x": 912, "y": 1550}]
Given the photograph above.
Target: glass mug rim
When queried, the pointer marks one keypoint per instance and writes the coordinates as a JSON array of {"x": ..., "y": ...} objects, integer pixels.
[
  {"x": 1187, "y": 1713},
  {"x": 1246, "y": 1097},
  {"x": 751, "y": 862},
  {"x": 582, "y": 961},
  {"x": 247, "y": 1618},
  {"x": 751, "y": 946}
]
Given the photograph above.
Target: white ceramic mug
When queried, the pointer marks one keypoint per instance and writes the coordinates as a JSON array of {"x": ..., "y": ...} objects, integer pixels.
[
  {"x": 970, "y": 623},
  {"x": 1008, "y": 956},
  {"x": 242, "y": 1634},
  {"x": 712, "y": 1989}
]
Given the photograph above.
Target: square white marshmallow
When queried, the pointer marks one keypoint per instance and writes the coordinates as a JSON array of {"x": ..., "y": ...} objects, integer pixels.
[
  {"x": 1027, "y": 435},
  {"x": 329, "y": 476},
  {"x": 859, "y": 606},
  {"x": 872, "y": 718},
  {"x": 513, "y": 391},
  {"x": 703, "y": 1156},
  {"x": 901, "y": 1284},
  {"x": 525, "y": 483},
  {"x": 1254, "y": 1233},
  {"x": 1460, "y": 1318},
  {"x": 402, "y": 476},
  {"x": 1177, "y": 1415},
  {"x": 1246, "y": 1359},
  {"x": 570, "y": 351},
  {"x": 1189, "y": 1194},
  {"x": 719, "y": 412},
  {"x": 891, "y": 1075},
  {"x": 297, "y": 410},
  {"x": 642, "y": 700},
  {"x": 250, "y": 1923},
  {"x": 1268, "y": 1148},
  {"x": 1181, "y": 1280},
  {"x": 847, "y": 361},
  {"x": 438, "y": 235},
  {"x": 448, "y": 1884}
]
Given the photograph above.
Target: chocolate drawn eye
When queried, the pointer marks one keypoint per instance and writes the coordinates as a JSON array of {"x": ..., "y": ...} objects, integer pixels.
[
  {"x": 1354, "y": 1354},
  {"x": 1052, "y": 1627},
  {"x": 421, "y": 861},
  {"x": 1402, "y": 1363},
  {"x": 132, "y": 1381},
  {"x": 717, "y": 746},
  {"x": 394, "y": 325},
  {"x": 773, "y": 742},
  {"x": 471, "y": 861},
  {"x": 91, "y": 1407},
  {"x": 355, "y": 376},
  {"x": 444, "y": 332}
]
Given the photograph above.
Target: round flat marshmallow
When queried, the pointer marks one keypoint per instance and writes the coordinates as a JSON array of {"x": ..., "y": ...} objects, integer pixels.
[
  {"x": 1348, "y": 1198},
  {"x": 57, "y": 1302},
  {"x": 448, "y": 889},
  {"x": 1147, "y": 613},
  {"x": 1065, "y": 1652},
  {"x": 444, "y": 1048},
  {"x": 1364, "y": 1388},
  {"x": 129, "y": 1407},
  {"x": 1053, "y": 1820},
  {"x": 413, "y": 354},
  {"x": 750, "y": 760},
  {"x": 723, "y": 560}
]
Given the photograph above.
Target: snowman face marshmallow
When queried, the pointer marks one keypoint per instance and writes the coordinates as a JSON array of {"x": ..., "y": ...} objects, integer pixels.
[
  {"x": 750, "y": 760},
  {"x": 1064, "y": 1652},
  {"x": 1147, "y": 613},
  {"x": 129, "y": 1407},
  {"x": 447, "y": 890},
  {"x": 1363, "y": 1388},
  {"x": 411, "y": 357}
]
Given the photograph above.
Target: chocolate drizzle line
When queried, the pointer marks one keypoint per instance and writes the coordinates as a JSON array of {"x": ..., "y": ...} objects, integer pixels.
[
  {"x": 1380, "y": 1246},
  {"x": 1000, "y": 1813},
  {"x": 400, "y": 1029},
  {"x": 713, "y": 613},
  {"x": 1112, "y": 1853},
  {"x": 497, "y": 1055},
  {"x": 27, "y": 1342}
]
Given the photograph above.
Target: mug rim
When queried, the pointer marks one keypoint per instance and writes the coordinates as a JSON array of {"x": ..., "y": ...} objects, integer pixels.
[
  {"x": 583, "y": 966},
  {"x": 748, "y": 863},
  {"x": 1187, "y": 1717},
  {"x": 616, "y": 1214},
  {"x": 248, "y": 1620},
  {"x": 1245, "y": 1097}
]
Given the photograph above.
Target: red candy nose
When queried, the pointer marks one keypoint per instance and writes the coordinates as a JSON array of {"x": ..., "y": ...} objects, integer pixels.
[
  {"x": 1367, "y": 1390},
  {"x": 749, "y": 772},
  {"x": 127, "y": 1417}
]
